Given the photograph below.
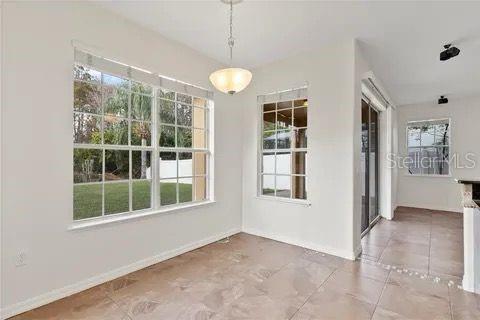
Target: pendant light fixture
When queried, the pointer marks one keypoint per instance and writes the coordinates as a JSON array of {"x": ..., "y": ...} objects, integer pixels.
[{"x": 231, "y": 80}]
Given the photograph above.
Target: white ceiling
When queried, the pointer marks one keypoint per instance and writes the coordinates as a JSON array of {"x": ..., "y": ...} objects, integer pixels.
[{"x": 402, "y": 40}]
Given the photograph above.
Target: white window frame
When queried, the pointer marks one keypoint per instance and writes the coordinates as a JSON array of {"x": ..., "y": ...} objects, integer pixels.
[
  {"x": 276, "y": 97},
  {"x": 449, "y": 145},
  {"x": 172, "y": 86}
]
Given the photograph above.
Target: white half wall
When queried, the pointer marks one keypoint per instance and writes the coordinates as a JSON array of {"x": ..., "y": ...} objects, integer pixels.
[
  {"x": 326, "y": 224},
  {"x": 37, "y": 155},
  {"x": 440, "y": 193}
]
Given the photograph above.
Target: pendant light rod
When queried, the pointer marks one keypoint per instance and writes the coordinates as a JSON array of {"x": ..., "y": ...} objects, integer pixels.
[
  {"x": 231, "y": 80},
  {"x": 231, "y": 40}
]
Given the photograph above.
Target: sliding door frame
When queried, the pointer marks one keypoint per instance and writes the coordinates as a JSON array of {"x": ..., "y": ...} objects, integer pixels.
[{"x": 366, "y": 204}]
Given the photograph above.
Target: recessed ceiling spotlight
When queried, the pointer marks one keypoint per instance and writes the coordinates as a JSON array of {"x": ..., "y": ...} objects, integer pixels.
[
  {"x": 449, "y": 52},
  {"x": 442, "y": 100}
]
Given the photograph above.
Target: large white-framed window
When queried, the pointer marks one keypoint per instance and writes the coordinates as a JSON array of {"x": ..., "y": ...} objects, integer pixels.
[
  {"x": 138, "y": 144},
  {"x": 283, "y": 145},
  {"x": 428, "y": 147}
]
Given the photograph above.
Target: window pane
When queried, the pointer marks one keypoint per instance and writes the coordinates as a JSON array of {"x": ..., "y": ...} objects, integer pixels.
[
  {"x": 141, "y": 107},
  {"x": 116, "y": 197},
  {"x": 200, "y": 188},
  {"x": 185, "y": 190},
  {"x": 268, "y": 162},
  {"x": 198, "y": 138},
  {"x": 269, "y": 107},
  {"x": 86, "y": 74},
  {"x": 299, "y": 162},
  {"x": 184, "y": 98},
  {"x": 283, "y": 185},
  {"x": 414, "y": 166},
  {"x": 168, "y": 165},
  {"x": 87, "y": 201},
  {"x": 269, "y": 121},
  {"x": 300, "y": 117},
  {"x": 141, "y": 88},
  {"x": 299, "y": 187},
  {"x": 141, "y": 194},
  {"x": 116, "y": 165},
  {"x": 199, "y": 118},
  {"x": 87, "y": 165},
  {"x": 441, "y": 167},
  {"x": 427, "y": 135},
  {"x": 87, "y": 128},
  {"x": 283, "y": 139},
  {"x": 200, "y": 163},
  {"x": 115, "y": 101},
  {"x": 300, "y": 103},
  {"x": 283, "y": 163},
  {"x": 168, "y": 192},
  {"x": 141, "y": 165},
  {"x": 115, "y": 131},
  {"x": 284, "y": 119},
  {"x": 167, "y": 136},
  {"x": 184, "y": 137},
  {"x": 269, "y": 138},
  {"x": 166, "y": 94},
  {"x": 199, "y": 102},
  {"x": 185, "y": 164},
  {"x": 141, "y": 133},
  {"x": 268, "y": 185},
  {"x": 284, "y": 105},
  {"x": 441, "y": 134},
  {"x": 413, "y": 136},
  {"x": 87, "y": 97},
  {"x": 115, "y": 82},
  {"x": 184, "y": 115},
  {"x": 167, "y": 111},
  {"x": 300, "y": 138}
]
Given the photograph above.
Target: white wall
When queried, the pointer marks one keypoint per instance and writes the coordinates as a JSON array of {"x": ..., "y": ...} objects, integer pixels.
[
  {"x": 441, "y": 193},
  {"x": 37, "y": 124},
  {"x": 328, "y": 223}
]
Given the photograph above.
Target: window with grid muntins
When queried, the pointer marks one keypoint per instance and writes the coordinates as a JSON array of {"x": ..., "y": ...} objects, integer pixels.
[
  {"x": 428, "y": 147},
  {"x": 136, "y": 146},
  {"x": 283, "y": 170}
]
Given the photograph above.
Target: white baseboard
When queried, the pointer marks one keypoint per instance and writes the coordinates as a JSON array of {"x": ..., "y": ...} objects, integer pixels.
[
  {"x": 66, "y": 291},
  {"x": 430, "y": 207},
  {"x": 325, "y": 249}
]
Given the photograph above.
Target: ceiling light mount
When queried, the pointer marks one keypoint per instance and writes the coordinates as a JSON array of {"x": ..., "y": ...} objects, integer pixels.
[{"x": 231, "y": 80}]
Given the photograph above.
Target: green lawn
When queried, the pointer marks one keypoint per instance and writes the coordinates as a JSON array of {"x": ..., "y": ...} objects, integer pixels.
[{"x": 87, "y": 199}]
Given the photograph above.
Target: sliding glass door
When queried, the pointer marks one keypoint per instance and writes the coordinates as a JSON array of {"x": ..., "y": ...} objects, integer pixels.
[{"x": 369, "y": 166}]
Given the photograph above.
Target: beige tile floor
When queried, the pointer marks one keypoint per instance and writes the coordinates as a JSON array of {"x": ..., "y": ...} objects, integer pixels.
[
  {"x": 255, "y": 278},
  {"x": 422, "y": 240}
]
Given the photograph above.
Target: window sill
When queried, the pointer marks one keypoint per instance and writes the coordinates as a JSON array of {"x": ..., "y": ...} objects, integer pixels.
[
  {"x": 429, "y": 175},
  {"x": 123, "y": 217},
  {"x": 300, "y": 202}
]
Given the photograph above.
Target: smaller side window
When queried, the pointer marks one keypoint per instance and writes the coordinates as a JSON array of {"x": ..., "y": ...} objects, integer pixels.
[{"x": 428, "y": 147}]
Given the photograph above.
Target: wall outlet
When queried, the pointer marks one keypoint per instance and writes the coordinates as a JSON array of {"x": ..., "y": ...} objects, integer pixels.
[{"x": 21, "y": 259}]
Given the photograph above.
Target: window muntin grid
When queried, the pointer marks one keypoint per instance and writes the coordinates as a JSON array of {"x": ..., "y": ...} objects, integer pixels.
[
  {"x": 135, "y": 138},
  {"x": 283, "y": 163}
]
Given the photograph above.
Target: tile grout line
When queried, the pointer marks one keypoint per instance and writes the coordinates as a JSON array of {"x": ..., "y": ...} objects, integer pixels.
[
  {"x": 430, "y": 244},
  {"x": 381, "y": 294},
  {"x": 450, "y": 303},
  {"x": 314, "y": 291},
  {"x": 125, "y": 313},
  {"x": 386, "y": 246}
]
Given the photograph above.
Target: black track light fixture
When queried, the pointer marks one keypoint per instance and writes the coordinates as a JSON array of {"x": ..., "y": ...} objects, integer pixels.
[{"x": 449, "y": 52}]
